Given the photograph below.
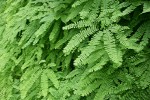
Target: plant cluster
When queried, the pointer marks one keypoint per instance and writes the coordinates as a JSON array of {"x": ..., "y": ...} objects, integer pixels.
[{"x": 74, "y": 50}]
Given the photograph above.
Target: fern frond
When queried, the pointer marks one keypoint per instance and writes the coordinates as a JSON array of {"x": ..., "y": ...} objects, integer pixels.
[
  {"x": 41, "y": 31},
  {"x": 67, "y": 37},
  {"x": 146, "y": 37},
  {"x": 30, "y": 29},
  {"x": 73, "y": 73},
  {"x": 127, "y": 42},
  {"x": 102, "y": 91},
  {"x": 85, "y": 80},
  {"x": 53, "y": 35},
  {"x": 146, "y": 7},
  {"x": 88, "y": 89},
  {"x": 89, "y": 49},
  {"x": 26, "y": 85},
  {"x": 78, "y": 38},
  {"x": 86, "y": 9},
  {"x": 113, "y": 52},
  {"x": 94, "y": 10},
  {"x": 51, "y": 75},
  {"x": 3, "y": 55},
  {"x": 79, "y": 2},
  {"x": 100, "y": 64},
  {"x": 73, "y": 12},
  {"x": 31, "y": 95},
  {"x": 44, "y": 84},
  {"x": 144, "y": 80},
  {"x": 84, "y": 55},
  {"x": 94, "y": 57},
  {"x": 129, "y": 9},
  {"x": 28, "y": 73},
  {"x": 79, "y": 24}
]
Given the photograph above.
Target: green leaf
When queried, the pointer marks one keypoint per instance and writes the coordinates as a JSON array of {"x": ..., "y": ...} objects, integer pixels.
[
  {"x": 110, "y": 47},
  {"x": 51, "y": 76},
  {"x": 146, "y": 7},
  {"x": 44, "y": 84},
  {"x": 26, "y": 85}
]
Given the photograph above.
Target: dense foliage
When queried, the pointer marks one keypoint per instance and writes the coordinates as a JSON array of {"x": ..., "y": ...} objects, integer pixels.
[{"x": 74, "y": 50}]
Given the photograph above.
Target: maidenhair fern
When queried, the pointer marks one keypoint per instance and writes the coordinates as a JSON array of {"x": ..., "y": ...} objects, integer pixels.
[{"x": 74, "y": 49}]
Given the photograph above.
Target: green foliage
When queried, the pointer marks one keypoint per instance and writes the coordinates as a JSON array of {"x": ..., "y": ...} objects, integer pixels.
[{"x": 74, "y": 49}]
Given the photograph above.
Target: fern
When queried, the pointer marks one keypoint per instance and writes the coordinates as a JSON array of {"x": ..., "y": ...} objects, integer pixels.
[
  {"x": 74, "y": 50},
  {"x": 54, "y": 32},
  {"x": 78, "y": 24},
  {"x": 73, "y": 13},
  {"x": 89, "y": 49},
  {"x": 74, "y": 42},
  {"x": 111, "y": 48},
  {"x": 88, "y": 89},
  {"x": 25, "y": 86},
  {"x": 146, "y": 7},
  {"x": 44, "y": 84},
  {"x": 100, "y": 64},
  {"x": 51, "y": 75},
  {"x": 78, "y": 3}
]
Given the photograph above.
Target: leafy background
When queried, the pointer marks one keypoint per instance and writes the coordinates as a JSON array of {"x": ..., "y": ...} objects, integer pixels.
[{"x": 74, "y": 50}]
